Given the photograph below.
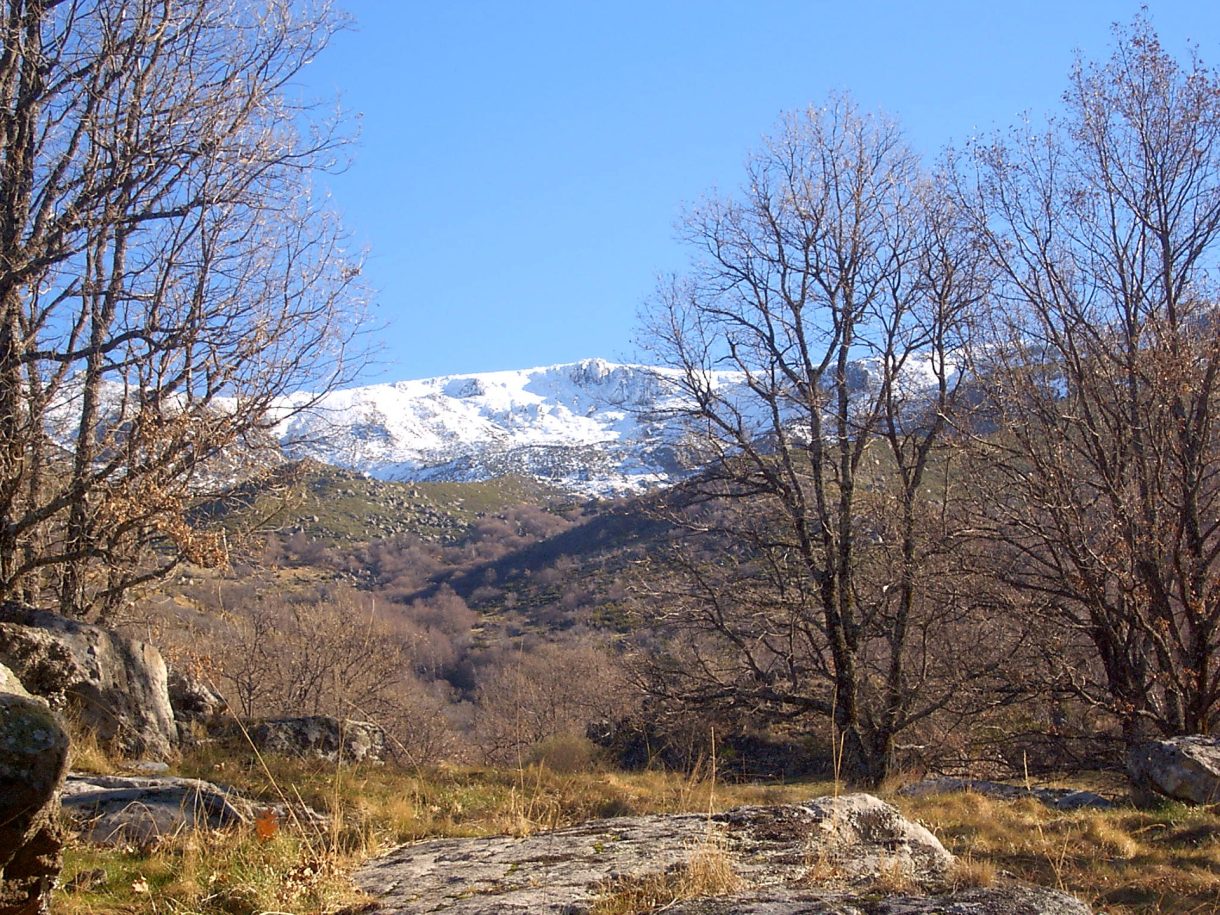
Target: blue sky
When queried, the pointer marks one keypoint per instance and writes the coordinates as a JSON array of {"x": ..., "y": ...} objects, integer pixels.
[{"x": 522, "y": 164}]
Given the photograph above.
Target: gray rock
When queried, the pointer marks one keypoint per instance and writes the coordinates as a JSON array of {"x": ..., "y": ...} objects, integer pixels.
[
  {"x": 149, "y": 766},
  {"x": 33, "y": 760},
  {"x": 555, "y": 872},
  {"x": 855, "y": 837},
  {"x": 1002, "y": 900},
  {"x": 1181, "y": 768},
  {"x": 198, "y": 708},
  {"x": 194, "y": 700},
  {"x": 115, "y": 686},
  {"x": 11, "y": 685},
  {"x": 1058, "y": 798},
  {"x": 319, "y": 737},
  {"x": 118, "y": 810},
  {"x": 851, "y": 840}
]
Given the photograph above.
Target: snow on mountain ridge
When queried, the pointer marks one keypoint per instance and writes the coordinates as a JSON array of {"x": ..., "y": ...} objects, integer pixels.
[
  {"x": 592, "y": 427},
  {"x": 583, "y": 426}
]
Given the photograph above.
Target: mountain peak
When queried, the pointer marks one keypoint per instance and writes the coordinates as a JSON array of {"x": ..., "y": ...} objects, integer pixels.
[
  {"x": 593, "y": 427},
  {"x": 585, "y": 426}
]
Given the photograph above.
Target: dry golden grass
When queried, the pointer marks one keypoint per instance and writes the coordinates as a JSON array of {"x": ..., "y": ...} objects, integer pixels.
[
  {"x": 372, "y": 808},
  {"x": 821, "y": 870},
  {"x": 85, "y": 753},
  {"x": 894, "y": 876},
  {"x": 1121, "y": 861},
  {"x": 1124, "y": 861},
  {"x": 707, "y": 872},
  {"x": 970, "y": 872}
]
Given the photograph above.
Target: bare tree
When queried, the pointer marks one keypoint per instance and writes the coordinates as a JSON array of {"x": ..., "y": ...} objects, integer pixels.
[
  {"x": 1104, "y": 375},
  {"x": 164, "y": 276},
  {"x": 816, "y": 349},
  {"x": 556, "y": 689},
  {"x": 332, "y": 653}
]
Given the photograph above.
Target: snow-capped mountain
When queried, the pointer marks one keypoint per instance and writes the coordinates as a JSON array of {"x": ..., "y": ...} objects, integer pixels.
[{"x": 590, "y": 427}]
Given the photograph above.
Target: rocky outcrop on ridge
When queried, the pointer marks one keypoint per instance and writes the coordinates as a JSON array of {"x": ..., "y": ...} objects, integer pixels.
[{"x": 840, "y": 855}]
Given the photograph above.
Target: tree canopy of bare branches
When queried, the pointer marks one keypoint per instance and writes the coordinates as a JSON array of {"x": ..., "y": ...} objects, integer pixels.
[
  {"x": 815, "y": 348},
  {"x": 165, "y": 275},
  {"x": 1105, "y": 230}
]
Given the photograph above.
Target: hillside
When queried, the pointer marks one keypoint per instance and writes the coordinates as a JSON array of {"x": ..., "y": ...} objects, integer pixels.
[
  {"x": 333, "y": 505},
  {"x": 524, "y": 556}
]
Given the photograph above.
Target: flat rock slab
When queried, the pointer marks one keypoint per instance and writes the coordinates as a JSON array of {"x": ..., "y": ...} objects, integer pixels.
[
  {"x": 1004, "y": 900},
  {"x": 854, "y": 837},
  {"x": 777, "y": 852},
  {"x": 111, "y": 810},
  {"x": 549, "y": 872},
  {"x": 1059, "y": 798}
]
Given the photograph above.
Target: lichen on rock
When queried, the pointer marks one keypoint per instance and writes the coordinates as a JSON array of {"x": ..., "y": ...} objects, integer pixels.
[
  {"x": 33, "y": 762},
  {"x": 835, "y": 856}
]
